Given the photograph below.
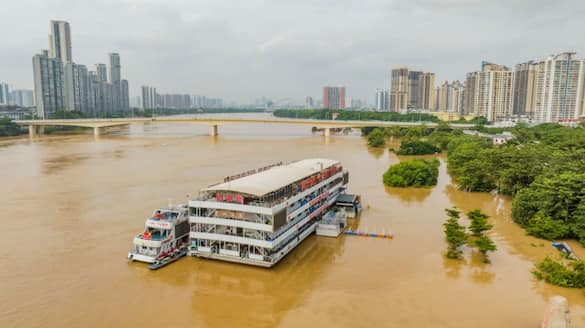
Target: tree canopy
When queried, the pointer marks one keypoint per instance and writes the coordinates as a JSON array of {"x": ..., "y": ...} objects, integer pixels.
[
  {"x": 417, "y": 147},
  {"x": 413, "y": 173}
]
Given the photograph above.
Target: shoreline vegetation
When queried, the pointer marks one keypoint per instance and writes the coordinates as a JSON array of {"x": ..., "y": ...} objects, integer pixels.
[
  {"x": 328, "y": 114},
  {"x": 542, "y": 168}
]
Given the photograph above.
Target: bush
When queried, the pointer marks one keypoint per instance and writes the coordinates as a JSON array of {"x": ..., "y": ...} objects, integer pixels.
[
  {"x": 417, "y": 148},
  {"x": 376, "y": 138},
  {"x": 8, "y": 128},
  {"x": 413, "y": 173},
  {"x": 559, "y": 274},
  {"x": 545, "y": 227}
]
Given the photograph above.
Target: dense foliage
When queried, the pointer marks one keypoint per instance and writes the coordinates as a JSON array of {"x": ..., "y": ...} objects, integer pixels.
[
  {"x": 321, "y": 114},
  {"x": 543, "y": 167},
  {"x": 8, "y": 128},
  {"x": 376, "y": 138},
  {"x": 417, "y": 147},
  {"x": 553, "y": 206},
  {"x": 570, "y": 275},
  {"x": 413, "y": 173}
]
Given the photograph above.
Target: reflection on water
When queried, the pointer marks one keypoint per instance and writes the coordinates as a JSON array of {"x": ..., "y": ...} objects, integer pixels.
[
  {"x": 376, "y": 152},
  {"x": 55, "y": 164},
  {"x": 72, "y": 204},
  {"x": 258, "y": 297},
  {"x": 453, "y": 267},
  {"x": 409, "y": 195}
]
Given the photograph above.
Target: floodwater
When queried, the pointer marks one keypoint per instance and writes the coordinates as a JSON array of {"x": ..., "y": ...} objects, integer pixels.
[{"x": 73, "y": 203}]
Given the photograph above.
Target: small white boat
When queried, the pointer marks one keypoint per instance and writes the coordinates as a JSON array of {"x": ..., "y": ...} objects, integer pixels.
[{"x": 166, "y": 234}]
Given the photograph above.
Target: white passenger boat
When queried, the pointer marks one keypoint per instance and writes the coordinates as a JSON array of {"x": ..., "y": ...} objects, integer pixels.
[
  {"x": 166, "y": 234},
  {"x": 259, "y": 216}
]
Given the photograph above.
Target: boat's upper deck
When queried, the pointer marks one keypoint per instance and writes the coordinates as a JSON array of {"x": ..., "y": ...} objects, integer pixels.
[{"x": 272, "y": 185}]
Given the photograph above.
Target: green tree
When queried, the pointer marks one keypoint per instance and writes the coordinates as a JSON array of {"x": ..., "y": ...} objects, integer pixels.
[
  {"x": 479, "y": 222},
  {"x": 412, "y": 173},
  {"x": 455, "y": 235},
  {"x": 484, "y": 244},
  {"x": 417, "y": 147},
  {"x": 376, "y": 138},
  {"x": 8, "y": 128}
]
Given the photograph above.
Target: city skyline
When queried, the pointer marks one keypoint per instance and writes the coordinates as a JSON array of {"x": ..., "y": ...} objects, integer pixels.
[{"x": 223, "y": 45}]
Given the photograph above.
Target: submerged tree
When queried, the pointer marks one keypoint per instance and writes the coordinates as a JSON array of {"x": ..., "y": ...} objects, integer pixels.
[
  {"x": 478, "y": 226},
  {"x": 455, "y": 234},
  {"x": 479, "y": 222},
  {"x": 485, "y": 244}
]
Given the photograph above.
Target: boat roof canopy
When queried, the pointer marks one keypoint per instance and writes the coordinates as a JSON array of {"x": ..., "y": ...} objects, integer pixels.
[
  {"x": 262, "y": 183},
  {"x": 346, "y": 198}
]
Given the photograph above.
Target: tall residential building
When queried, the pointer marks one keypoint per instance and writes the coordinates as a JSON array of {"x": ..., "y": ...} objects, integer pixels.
[
  {"x": 489, "y": 92},
  {"x": 559, "y": 88},
  {"x": 22, "y": 98},
  {"x": 399, "y": 86},
  {"x": 381, "y": 102},
  {"x": 4, "y": 94},
  {"x": 115, "y": 67},
  {"x": 102, "y": 72},
  {"x": 451, "y": 96},
  {"x": 426, "y": 93},
  {"x": 179, "y": 101},
  {"x": 69, "y": 86},
  {"x": 48, "y": 83},
  {"x": 149, "y": 97},
  {"x": 524, "y": 88},
  {"x": 60, "y": 41},
  {"x": 136, "y": 102},
  {"x": 411, "y": 89},
  {"x": 125, "y": 95},
  {"x": 309, "y": 103},
  {"x": 334, "y": 97}
]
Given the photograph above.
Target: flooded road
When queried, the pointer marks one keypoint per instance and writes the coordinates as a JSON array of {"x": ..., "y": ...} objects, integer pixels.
[{"x": 72, "y": 205}]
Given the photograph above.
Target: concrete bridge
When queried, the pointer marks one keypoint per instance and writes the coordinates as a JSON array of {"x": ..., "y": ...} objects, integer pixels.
[{"x": 99, "y": 124}]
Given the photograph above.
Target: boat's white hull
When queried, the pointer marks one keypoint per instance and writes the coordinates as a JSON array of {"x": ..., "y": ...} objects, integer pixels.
[
  {"x": 328, "y": 230},
  {"x": 140, "y": 257},
  {"x": 246, "y": 260}
]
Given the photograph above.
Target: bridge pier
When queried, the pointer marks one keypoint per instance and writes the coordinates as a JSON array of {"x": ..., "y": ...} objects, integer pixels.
[
  {"x": 35, "y": 130},
  {"x": 213, "y": 130},
  {"x": 98, "y": 130},
  {"x": 327, "y": 132}
]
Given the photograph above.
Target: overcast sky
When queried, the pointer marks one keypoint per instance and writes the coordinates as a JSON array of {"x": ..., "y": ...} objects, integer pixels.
[{"x": 243, "y": 49}]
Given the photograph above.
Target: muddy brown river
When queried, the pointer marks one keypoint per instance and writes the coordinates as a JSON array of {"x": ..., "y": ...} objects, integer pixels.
[{"x": 73, "y": 203}]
